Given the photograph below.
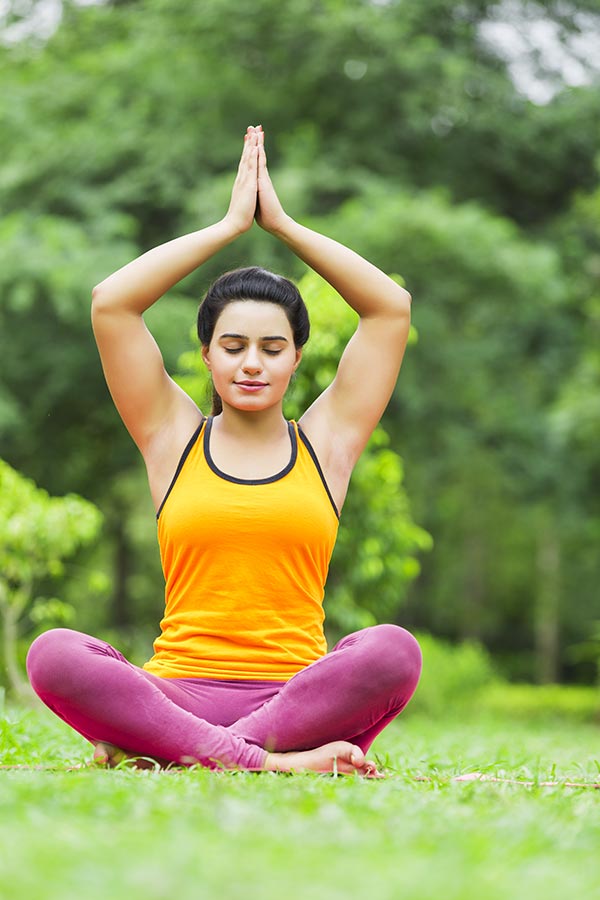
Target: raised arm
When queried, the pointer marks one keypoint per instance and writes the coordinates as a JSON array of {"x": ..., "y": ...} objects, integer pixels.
[
  {"x": 147, "y": 399},
  {"x": 350, "y": 408}
]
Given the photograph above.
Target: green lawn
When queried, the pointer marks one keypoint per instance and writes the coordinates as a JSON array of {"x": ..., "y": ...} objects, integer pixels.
[{"x": 95, "y": 834}]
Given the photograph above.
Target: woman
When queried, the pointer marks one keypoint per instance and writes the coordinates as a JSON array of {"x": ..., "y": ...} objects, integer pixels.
[{"x": 247, "y": 507}]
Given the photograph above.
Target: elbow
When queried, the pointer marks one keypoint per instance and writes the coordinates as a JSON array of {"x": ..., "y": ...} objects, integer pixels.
[
  {"x": 95, "y": 307},
  {"x": 404, "y": 304},
  {"x": 96, "y": 291},
  {"x": 99, "y": 298},
  {"x": 395, "y": 308},
  {"x": 405, "y": 300},
  {"x": 99, "y": 305}
]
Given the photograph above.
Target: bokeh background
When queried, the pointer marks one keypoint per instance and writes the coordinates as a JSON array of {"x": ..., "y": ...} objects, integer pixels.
[{"x": 456, "y": 145}]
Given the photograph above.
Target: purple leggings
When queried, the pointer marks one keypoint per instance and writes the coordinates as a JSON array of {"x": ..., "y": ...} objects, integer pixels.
[{"x": 349, "y": 694}]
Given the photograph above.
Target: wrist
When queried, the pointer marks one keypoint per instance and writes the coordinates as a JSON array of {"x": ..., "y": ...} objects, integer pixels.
[
  {"x": 231, "y": 228},
  {"x": 282, "y": 227}
]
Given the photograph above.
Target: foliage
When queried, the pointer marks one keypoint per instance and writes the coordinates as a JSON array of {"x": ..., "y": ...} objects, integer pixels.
[
  {"x": 37, "y": 533},
  {"x": 454, "y": 678},
  {"x": 400, "y": 89},
  {"x": 461, "y": 681},
  {"x": 396, "y": 127},
  {"x": 577, "y": 413},
  {"x": 572, "y": 703},
  {"x": 474, "y": 414}
]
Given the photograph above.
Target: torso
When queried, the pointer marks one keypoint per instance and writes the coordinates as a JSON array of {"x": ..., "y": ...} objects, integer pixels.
[{"x": 245, "y": 563}]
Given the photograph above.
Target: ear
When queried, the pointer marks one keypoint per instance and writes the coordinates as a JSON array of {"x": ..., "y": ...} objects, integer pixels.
[
  {"x": 298, "y": 358},
  {"x": 205, "y": 355}
]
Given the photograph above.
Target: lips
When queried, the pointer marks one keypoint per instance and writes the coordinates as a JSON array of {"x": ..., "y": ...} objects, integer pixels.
[{"x": 251, "y": 386}]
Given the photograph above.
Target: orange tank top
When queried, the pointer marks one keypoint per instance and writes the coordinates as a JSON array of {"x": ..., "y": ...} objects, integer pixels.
[{"x": 245, "y": 564}]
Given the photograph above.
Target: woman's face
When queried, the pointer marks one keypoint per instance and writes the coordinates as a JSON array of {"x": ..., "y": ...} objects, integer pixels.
[{"x": 252, "y": 355}]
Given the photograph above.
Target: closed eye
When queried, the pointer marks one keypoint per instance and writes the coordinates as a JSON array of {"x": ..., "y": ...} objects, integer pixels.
[{"x": 239, "y": 350}]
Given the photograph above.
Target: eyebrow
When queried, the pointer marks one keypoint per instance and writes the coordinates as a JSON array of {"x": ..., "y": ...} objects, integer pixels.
[{"x": 244, "y": 337}]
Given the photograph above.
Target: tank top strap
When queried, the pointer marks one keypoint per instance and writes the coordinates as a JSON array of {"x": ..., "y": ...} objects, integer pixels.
[{"x": 187, "y": 450}]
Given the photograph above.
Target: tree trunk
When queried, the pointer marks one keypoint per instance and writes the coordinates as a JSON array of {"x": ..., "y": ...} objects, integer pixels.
[
  {"x": 547, "y": 605},
  {"x": 473, "y": 601},
  {"x": 11, "y": 613}
]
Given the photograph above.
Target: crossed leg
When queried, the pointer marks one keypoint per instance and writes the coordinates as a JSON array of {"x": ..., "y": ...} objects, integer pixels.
[
  {"x": 347, "y": 696},
  {"x": 107, "y": 699},
  {"x": 352, "y": 692}
]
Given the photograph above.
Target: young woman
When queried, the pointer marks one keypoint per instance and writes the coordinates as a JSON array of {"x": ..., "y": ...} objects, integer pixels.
[{"x": 248, "y": 507}]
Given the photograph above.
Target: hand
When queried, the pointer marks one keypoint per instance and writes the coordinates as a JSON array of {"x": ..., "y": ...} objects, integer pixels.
[
  {"x": 242, "y": 206},
  {"x": 270, "y": 214}
]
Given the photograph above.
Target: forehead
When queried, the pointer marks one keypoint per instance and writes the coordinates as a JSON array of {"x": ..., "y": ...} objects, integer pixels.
[{"x": 254, "y": 318}]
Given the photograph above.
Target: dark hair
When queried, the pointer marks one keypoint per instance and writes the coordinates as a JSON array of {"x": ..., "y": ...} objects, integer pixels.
[{"x": 253, "y": 283}]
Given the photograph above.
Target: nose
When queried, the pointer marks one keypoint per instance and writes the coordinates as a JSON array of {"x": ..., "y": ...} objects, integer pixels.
[{"x": 252, "y": 363}]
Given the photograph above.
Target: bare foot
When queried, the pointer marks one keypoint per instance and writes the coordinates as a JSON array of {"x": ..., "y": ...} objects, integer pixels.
[
  {"x": 111, "y": 756},
  {"x": 339, "y": 757}
]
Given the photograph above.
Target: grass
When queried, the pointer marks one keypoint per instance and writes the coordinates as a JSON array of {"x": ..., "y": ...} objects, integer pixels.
[{"x": 198, "y": 834}]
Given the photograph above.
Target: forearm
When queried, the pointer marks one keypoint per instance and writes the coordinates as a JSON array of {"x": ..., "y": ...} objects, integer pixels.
[
  {"x": 368, "y": 290},
  {"x": 136, "y": 286}
]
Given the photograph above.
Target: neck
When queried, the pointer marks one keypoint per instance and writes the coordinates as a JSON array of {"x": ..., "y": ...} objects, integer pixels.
[{"x": 265, "y": 424}]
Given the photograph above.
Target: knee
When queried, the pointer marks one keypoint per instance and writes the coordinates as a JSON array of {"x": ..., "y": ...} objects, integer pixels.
[
  {"x": 48, "y": 659},
  {"x": 397, "y": 656}
]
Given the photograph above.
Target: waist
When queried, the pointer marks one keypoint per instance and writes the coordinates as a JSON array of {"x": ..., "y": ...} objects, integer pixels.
[{"x": 220, "y": 646}]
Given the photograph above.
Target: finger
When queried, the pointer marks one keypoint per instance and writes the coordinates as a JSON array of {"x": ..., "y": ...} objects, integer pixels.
[
  {"x": 261, "y": 142},
  {"x": 248, "y": 162},
  {"x": 245, "y": 149},
  {"x": 253, "y": 161},
  {"x": 250, "y": 136},
  {"x": 252, "y": 140},
  {"x": 262, "y": 162}
]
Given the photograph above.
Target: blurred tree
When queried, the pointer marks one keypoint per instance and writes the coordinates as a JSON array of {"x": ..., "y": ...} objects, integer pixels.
[
  {"x": 473, "y": 416},
  {"x": 57, "y": 422},
  {"x": 409, "y": 91},
  {"x": 575, "y": 423},
  {"x": 122, "y": 129},
  {"x": 37, "y": 533}
]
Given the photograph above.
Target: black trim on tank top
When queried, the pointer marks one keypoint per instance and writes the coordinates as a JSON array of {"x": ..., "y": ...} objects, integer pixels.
[
  {"x": 212, "y": 465},
  {"x": 182, "y": 459},
  {"x": 315, "y": 459}
]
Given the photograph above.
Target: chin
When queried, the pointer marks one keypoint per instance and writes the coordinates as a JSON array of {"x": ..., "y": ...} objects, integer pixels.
[{"x": 252, "y": 404}]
